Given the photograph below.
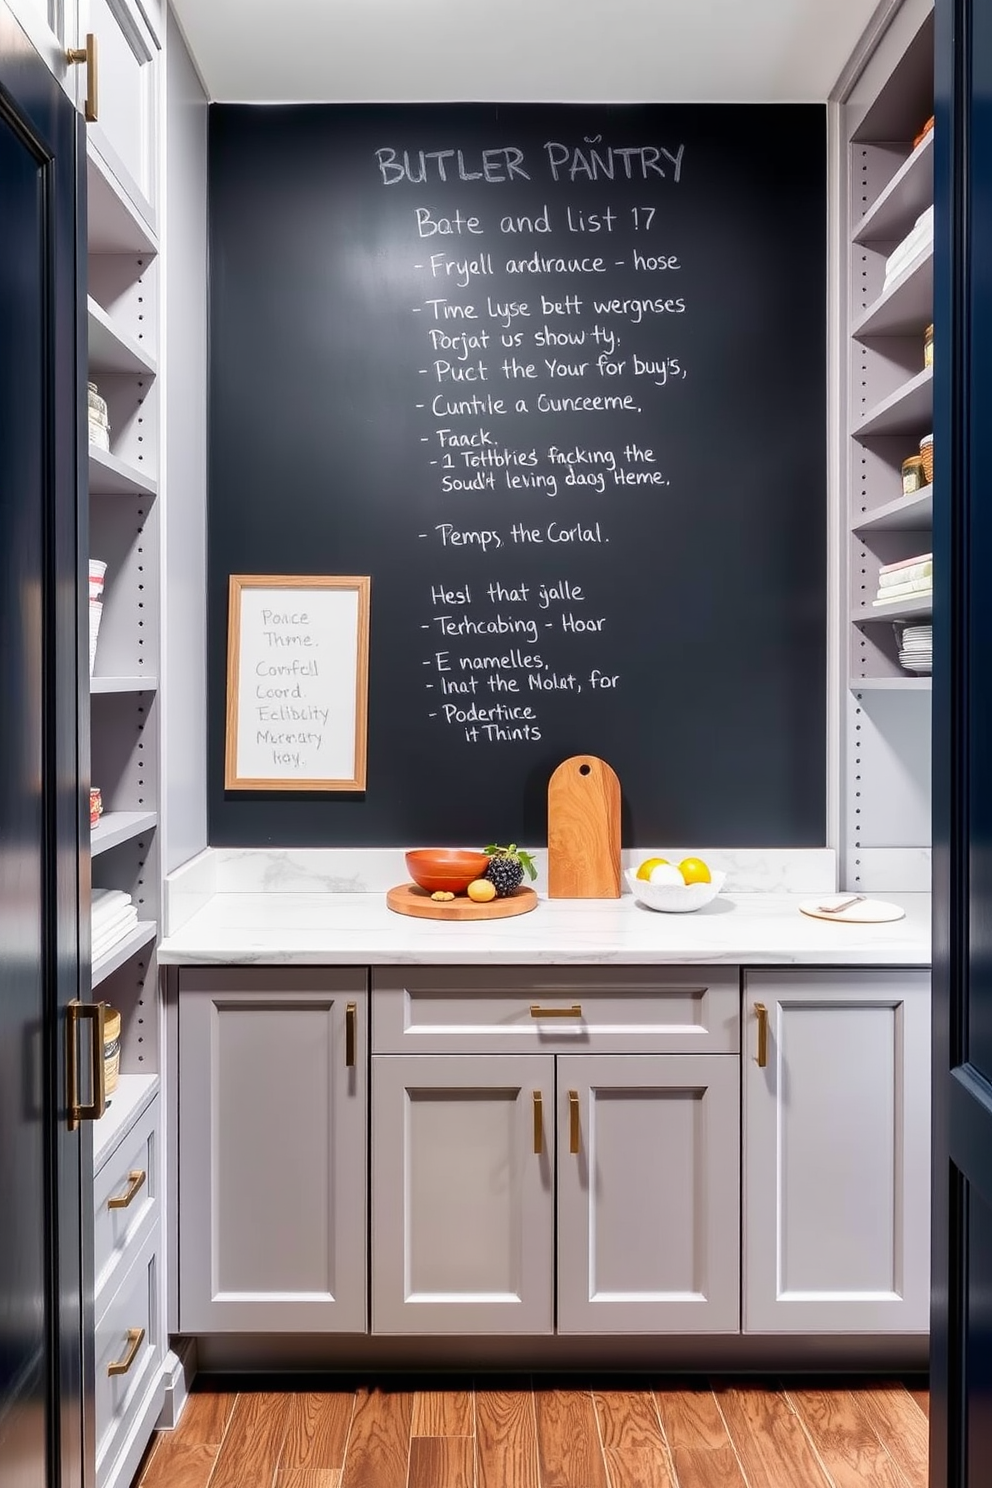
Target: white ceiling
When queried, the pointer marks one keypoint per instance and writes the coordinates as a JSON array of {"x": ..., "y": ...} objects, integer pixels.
[{"x": 616, "y": 51}]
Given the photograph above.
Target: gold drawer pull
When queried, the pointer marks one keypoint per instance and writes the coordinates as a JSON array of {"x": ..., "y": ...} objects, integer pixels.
[
  {"x": 350, "y": 1034},
  {"x": 575, "y": 1011},
  {"x": 762, "y": 1016},
  {"x": 135, "y": 1338},
  {"x": 135, "y": 1180},
  {"x": 573, "y": 1121},
  {"x": 87, "y": 54},
  {"x": 538, "y": 1122}
]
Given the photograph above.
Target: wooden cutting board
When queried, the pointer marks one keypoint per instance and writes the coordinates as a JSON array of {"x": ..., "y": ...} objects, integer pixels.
[
  {"x": 584, "y": 830},
  {"x": 408, "y": 899}
]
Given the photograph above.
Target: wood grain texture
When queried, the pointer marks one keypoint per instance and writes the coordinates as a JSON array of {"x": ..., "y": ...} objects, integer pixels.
[
  {"x": 379, "y": 1445},
  {"x": 205, "y": 1417},
  {"x": 317, "y": 1430},
  {"x": 584, "y": 830},
  {"x": 442, "y": 1462},
  {"x": 898, "y": 1421},
  {"x": 633, "y": 1444},
  {"x": 568, "y": 1446},
  {"x": 408, "y": 899},
  {"x": 443, "y": 1413},
  {"x": 308, "y": 1477},
  {"x": 506, "y": 1439},
  {"x": 769, "y": 1439},
  {"x": 690, "y": 1434},
  {"x": 846, "y": 1445},
  {"x": 701, "y": 1451},
  {"x": 179, "y": 1464},
  {"x": 249, "y": 1453}
]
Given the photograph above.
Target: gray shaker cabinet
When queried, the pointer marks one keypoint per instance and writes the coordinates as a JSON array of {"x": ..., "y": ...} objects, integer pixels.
[
  {"x": 837, "y": 1152},
  {"x": 463, "y": 1193},
  {"x": 272, "y": 1140},
  {"x": 648, "y": 1193}
]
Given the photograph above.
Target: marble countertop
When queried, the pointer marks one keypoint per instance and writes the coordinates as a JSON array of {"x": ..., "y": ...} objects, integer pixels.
[{"x": 751, "y": 929}]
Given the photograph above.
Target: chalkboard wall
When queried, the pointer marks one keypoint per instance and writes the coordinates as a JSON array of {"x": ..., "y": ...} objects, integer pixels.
[{"x": 555, "y": 377}]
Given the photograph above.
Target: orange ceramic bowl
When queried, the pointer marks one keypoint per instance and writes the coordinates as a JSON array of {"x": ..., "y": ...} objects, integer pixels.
[{"x": 450, "y": 868}]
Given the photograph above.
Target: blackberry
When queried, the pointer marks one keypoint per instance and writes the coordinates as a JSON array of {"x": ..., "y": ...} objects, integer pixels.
[{"x": 506, "y": 868}]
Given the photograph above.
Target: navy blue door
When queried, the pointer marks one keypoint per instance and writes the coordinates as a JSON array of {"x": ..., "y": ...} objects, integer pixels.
[
  {"x": 41, "y": 1433},
  {"x": 961, "y": 1364}
]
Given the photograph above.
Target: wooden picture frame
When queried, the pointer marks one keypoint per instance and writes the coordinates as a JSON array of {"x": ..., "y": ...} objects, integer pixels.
[{"x": 297, "y": 682}]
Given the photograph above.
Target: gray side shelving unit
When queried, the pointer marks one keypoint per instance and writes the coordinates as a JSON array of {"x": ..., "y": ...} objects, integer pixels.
[{"x": 887, "y": 400}]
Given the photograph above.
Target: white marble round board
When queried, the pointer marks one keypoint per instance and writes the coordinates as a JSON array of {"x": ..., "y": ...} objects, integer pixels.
[{"x": 864, "y": 912}]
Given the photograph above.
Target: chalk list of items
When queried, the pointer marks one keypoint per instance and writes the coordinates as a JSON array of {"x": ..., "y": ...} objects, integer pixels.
[
  {"x": 524, "y": 348},
  {"x": 553, "y": 375}
]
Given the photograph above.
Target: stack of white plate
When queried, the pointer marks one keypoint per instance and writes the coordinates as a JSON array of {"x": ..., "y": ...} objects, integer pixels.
[{"x": 916, "y": 648}]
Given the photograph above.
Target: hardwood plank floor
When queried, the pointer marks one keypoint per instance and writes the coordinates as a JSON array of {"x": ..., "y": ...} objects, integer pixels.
[{"x": 678, "y": 1434}]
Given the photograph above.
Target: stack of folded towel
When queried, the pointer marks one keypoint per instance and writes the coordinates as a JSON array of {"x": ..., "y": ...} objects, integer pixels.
[
  {"x": 910, "y": 579},
  {"x": 112, "y": 918},
  {"x": 914, "y": 242},
  {"x": 915, "y": 648}
]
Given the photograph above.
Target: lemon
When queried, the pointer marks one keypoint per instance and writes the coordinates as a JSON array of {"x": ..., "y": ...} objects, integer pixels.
[
  {"x": 645, "y": 869},
  {"x": 481, "y": 890},
  {"x": 694, "y": 870}
]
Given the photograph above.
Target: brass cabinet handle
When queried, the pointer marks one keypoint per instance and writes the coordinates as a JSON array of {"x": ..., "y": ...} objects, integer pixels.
[
  {"x": 575, "y": 1011},
  {"x": 76, "y": 1013},
  {"x": 87, "y": 54},
  {"x": 573, "y": 1121},
  {"x": 135, "y": 1180},
  {"x": 538, "y": 1122},
  {"x": 762, "y": 1015},
  {"x": 350, "y": 1034},
  {"x": 135, "y": 1338}
]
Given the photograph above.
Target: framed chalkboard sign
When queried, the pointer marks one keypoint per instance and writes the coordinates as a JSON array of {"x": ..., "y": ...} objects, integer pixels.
[{"x": 297, "y": 682}]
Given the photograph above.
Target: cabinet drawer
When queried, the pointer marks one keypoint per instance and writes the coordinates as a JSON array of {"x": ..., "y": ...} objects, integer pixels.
[
  {"x": 125, "y": 1203},
  {"x": 121, "y": 1396},
  {"x": 470, "y": 1010}
]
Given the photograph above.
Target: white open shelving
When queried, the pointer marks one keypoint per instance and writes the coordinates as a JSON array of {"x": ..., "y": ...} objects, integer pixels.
[
  {"x": 143, "y": 933},
  {"x": 902, "y": 411},
  {"x": 112, "y": 476},
  {"x": 887, "y": 408},
  {"x": 115, "y": 827},
  {"x": 909, "y": 193},
  {"x": 905, "y": 306}
]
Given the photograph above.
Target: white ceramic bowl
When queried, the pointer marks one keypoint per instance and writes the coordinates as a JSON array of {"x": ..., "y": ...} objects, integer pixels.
[{"x": 674, "y": 898}]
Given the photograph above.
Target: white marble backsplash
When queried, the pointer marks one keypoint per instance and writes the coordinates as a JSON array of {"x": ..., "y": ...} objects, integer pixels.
[{"x": 373, "y": 870}]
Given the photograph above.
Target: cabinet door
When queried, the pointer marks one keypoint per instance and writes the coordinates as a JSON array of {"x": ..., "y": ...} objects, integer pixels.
[
  {"x": 272, "y": 1151},
  {"x": 126, "y": 134},
  {"x": 648, "y": 1193},
  {"x": 837, "y": 1153},
  {"x": 462, "y": 1194}
]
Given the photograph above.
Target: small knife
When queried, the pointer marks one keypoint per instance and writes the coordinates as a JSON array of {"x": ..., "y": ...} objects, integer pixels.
[{"x": 844, "y": 904}]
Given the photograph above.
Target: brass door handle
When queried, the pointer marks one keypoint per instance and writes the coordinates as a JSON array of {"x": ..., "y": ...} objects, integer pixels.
[
  {"x": 76, "y": 1013},
  {"x": 761, "y": 1012},
  {"x": 350, "y": 1034},
  {"x": 575, "y": 1011},
  {"x": 87, "y": 54},
  {"x": 538, "y": 1122},
  {"x": 135, "y": 1180},
  {"x": 135, "y": 1338},
  {"x": 573, "y": 1121}
]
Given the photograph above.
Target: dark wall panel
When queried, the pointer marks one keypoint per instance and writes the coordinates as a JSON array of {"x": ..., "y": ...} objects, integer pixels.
[{"x": 676, "y": 254}]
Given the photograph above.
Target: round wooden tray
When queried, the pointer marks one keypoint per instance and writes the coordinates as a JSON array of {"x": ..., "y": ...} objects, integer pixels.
[{"x": 408, "y": 899}]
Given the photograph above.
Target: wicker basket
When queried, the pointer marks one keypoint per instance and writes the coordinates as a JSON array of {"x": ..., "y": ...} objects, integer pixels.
[
  {"x": 111, "y": 1048},
  {"x": 926, "y": 455}
]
